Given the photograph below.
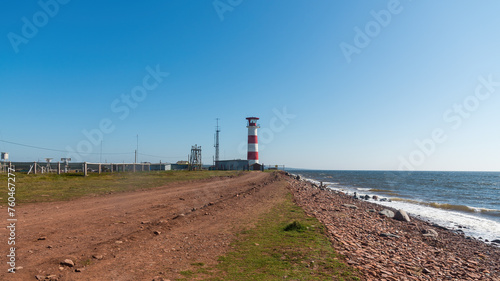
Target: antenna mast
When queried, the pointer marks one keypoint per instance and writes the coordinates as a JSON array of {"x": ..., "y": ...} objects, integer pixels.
[{"x": 216, "y": 145}]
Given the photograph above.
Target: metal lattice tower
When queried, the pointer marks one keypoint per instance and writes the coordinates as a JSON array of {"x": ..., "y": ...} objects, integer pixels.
[
  {"x": 216, "y": 145},
  {"x": 195, "y": 158}
]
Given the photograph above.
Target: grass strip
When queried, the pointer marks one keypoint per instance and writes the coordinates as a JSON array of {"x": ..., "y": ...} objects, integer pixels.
[
  {"x": 53, "y": 187},
  {"x": 285, "y": 244}
]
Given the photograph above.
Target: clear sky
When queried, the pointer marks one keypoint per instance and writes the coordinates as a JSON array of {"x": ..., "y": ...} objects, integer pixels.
[{"x": 358, "y": 85}]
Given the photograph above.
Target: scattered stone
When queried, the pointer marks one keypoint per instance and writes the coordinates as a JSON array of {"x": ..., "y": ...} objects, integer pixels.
[
  {"x": 350, "y": 206},
  {"x": 367, "y": 197},
  {"x": 179, "y": 216},
  {"x": 158, "y": 278},
  {"x": 118, "y": 242},
  {"x": 145, "y": 222},
  {"x": 297, "y": 177},
  {"x": 49, "y": 247},
  {"x": 384, "y": 249},
  {"x": 98, "y": 257},
  {"x": 401, "y": 215},
  {"x": 371, "y": 210},
  {"x": 42, "y": 238},
  {"x": 79, "y": 269},
  {"x": 438, "y": 226},
  {"x": 51, "y": 277},
  {"x": 389, "y": 235},
  {"x": 496, "y": 241},
  {"x": 180, "y": 198},
  {"x": 429, "y": 233},
  {"x": 375, "y": 197},
  {"x": 386, "y": 212},
  {"x": 68, "y": 262},
  {"x": 39, "y": 277},
  {"x": 156, "y": 232}
]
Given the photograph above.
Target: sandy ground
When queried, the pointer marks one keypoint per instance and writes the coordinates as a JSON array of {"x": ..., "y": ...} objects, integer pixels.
[{"x": 137, "y": 235}]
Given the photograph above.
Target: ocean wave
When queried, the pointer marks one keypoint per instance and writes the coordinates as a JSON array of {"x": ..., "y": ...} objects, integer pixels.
[
  {"x": 384, "y": 191},
  {"x": 452, "y": 207}
]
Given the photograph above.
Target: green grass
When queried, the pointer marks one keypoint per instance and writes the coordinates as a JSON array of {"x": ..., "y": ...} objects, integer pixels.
[
  {"x": 286, "y": 244},
  {"x": 53, "y": 187},
  {"x": 187, "y": 273}
]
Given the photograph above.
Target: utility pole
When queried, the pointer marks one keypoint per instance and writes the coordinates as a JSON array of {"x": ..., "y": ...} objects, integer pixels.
[
  {"x": 137, "y": 149},
  {"x": 100, "y": 156}
]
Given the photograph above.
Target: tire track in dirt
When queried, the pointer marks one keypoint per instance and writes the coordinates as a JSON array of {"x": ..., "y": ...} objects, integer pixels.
[{"x": 140, "y": 234}]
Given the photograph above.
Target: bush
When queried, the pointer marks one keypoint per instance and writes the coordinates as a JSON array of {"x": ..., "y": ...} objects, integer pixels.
[{"x": 295, "y": 226}]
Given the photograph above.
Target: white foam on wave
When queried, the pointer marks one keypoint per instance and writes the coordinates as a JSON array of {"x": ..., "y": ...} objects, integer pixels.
[{"x": 471, "y": 225}]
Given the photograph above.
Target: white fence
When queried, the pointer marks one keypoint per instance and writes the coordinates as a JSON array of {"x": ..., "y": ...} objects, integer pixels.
[{"x": 81, "y": 167}]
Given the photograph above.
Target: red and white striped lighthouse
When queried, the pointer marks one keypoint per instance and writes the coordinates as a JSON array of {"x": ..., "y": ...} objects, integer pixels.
[{"x": 253, "y": 144}]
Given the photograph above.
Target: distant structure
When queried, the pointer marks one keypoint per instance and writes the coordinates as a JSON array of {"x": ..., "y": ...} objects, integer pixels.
[
  {"x": 66, "y": 163},
  {"x": 252, "y": 162},
  {"x": 216, "y": 145},
  {"x": 195, "y": 158},
  {"x": 236, "y": 164},
  {"x": 253, "y": 145},
  {"x": 48, "y": 160},
  {"x": 4, "y": 157}
]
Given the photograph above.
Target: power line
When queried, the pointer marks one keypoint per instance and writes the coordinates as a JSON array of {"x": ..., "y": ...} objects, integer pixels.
[
  {"x": 159, "y": 156},
  {"x": 57, "y": 150}
]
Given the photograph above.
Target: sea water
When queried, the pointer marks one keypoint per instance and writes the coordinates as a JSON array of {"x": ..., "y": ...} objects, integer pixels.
[{"x": 461, "y": 201}]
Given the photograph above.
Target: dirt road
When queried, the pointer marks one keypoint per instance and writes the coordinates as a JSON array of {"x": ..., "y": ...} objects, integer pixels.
[{"x": 137, "y": 235}]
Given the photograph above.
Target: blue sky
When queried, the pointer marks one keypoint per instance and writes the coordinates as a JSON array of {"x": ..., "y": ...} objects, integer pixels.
[{"x": 67, "y": 65}]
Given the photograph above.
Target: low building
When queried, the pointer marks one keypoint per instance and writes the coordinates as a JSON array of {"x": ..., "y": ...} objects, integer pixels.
[{"x": 237, "y": 164}]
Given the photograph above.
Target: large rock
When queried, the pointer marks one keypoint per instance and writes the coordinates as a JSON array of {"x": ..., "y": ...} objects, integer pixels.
[
  {"x": 401, "y": 215},
  {"x": 350, "y": 206},
  {"x": 386, "y": 212},
  {"x": 496, "y": 241},
  {"x": 68, "y": 262},
  {"x": 430, "y": 233}
]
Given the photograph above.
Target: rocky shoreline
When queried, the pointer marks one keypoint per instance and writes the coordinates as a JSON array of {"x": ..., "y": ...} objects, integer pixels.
[{"x": 385, "y": 248}]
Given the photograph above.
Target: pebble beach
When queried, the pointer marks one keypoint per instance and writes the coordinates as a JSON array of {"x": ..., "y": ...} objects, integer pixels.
[{"x": 395, "y": 248}]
